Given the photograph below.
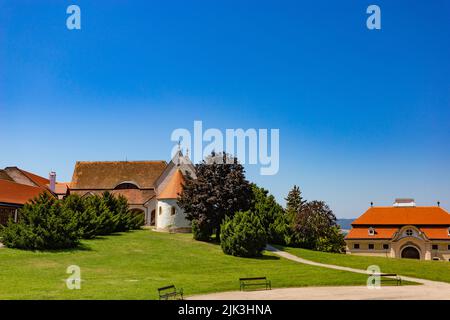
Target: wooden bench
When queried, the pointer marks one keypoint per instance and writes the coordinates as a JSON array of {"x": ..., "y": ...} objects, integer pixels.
[
  {"x": 258, "y": 281},
  {"x": 397, "y": 278},
  {"x": 170, "y": 292}
]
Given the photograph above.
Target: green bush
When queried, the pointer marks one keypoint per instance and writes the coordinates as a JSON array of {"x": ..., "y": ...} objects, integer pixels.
[
  {"x": 280, "y": 230},
  {"x": 43, "y": 224},
  {"x": 243, "y": 235},
  {"x": 85, "y": 216},
  {"x": 201, "y": 231},
  {"x": 49, "y": 223}
]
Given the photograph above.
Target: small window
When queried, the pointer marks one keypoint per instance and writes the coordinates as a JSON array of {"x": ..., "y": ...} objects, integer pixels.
[
  {"x": 385, "y": 246},
  {"x": 434, "y": 247},
  {"x": 160, "y": 210},
  {"x": 436, "y": 259},
  {"x": 173, "y": 211},
  {"x": 371, "y": 231},
  {"x": 356, "y": 246},
  {"x": 448, "y": 247},
  {"x": 371, "y": 246},
  {"x": 449, "y": 232},
  {"x": 409, "y": 232}
]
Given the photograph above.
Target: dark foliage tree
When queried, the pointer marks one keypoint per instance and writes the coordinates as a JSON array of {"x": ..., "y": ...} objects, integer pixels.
[
  {"x": 243, "y": 235},
  {"x": 315, "y": 223},
  {"x": 220, "y": 190}
]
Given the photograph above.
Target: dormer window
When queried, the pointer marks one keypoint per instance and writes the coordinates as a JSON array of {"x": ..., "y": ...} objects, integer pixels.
[
  {"x": 409, "y": 232},
  {"x": 371, "y": 231}
]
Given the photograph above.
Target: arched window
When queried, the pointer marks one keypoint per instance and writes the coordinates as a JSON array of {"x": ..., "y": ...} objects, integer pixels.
[
  {"x": 126, "y": 185},
  {"x": 173, "y": 211},
  {"x": 409, "y": 232}
]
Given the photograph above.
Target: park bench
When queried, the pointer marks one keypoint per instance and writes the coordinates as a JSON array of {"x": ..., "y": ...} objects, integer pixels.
[
  {"x": 392, "y": 277},
  {"x": 170, "y": 292},
  {"x": 258, "y": 281}
]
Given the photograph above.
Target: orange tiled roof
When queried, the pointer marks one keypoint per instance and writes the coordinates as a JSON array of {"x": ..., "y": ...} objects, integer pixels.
[
  {"x": 436, "y": 233},
  {"x": 173, "y": 187},
  {"x": 363, "y": 233},
  {"x": 16, "y": 193},
  {"x": 404, "y": 216},
  {"x": 40, "y": 181}
]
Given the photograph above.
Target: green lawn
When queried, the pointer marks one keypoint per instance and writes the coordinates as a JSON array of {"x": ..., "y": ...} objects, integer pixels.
[
  {"x": 431, "y": 270},
  {"x": 133, "y": 265}
]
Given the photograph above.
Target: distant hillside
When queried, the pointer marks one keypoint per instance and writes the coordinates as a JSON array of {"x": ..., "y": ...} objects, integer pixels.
[{"x": 345, "y": 224}]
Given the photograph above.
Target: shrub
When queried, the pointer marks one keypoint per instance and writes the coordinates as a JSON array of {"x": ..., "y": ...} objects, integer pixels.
[
  {"x": 243, "y": 235},
  {"x": 280, "y": 230},
  {"x": 332, "y": 242},
  {"x": 106, "y": 220},
  {"x": 43, "y": 224},
  {"x": 201, "y": 231},
  {"x": 85, "y": 216}
]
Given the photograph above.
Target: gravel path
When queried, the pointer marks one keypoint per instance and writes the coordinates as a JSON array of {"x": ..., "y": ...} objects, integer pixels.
[{"x": 428, "y": 290}]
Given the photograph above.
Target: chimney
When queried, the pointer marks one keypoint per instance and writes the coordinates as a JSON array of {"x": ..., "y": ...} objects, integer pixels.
[
  {"x": 404, "y": 202},
  {"x": 52, "y": 178}
]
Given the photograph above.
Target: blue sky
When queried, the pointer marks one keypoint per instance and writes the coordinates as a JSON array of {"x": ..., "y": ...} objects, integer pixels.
[{"x": 363, "y": 115}]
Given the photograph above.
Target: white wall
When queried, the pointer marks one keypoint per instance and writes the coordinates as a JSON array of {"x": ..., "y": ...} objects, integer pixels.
[{"x": 166, "y": 219}]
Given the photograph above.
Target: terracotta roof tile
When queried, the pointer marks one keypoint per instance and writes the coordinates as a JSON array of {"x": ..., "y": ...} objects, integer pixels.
[
  {"x": 436, "y": 233},
  {"x": 403, "y": 216},
  {"x": 173, "y": 187},
  {"x": 363, "y": 233},
  {"x": 135, "y": 196},
  {"x": 40, "y": 181},
  {"x": 16, "y": 193}
]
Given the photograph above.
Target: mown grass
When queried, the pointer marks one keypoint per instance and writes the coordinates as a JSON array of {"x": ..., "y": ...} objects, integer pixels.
[
  {"x": 133, "y": 265},
  {"x": 431, "y": 270}
]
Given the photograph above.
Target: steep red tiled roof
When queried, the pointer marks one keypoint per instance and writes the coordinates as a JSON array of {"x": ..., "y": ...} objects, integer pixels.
[
  {"x": 403, "y": 216},
  {"x": 16, "y": 193},
  {"x": 40, "y": 181},
  {"x": 173, "y": 187}
]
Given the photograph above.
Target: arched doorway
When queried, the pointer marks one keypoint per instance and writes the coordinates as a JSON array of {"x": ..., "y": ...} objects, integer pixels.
[
  {"x": 410, "y": 253},
  {"x": 153, "y": 218}
]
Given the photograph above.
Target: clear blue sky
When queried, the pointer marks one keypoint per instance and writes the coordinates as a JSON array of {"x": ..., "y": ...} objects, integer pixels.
[{"x": 363, "y": 115}]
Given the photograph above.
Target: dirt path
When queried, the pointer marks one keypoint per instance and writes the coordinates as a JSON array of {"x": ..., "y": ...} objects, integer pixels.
[{"x": 428, "y": 290}]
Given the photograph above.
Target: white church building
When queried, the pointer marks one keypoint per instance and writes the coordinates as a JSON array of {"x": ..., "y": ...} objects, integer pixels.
[{"x": 151, "y": 187}]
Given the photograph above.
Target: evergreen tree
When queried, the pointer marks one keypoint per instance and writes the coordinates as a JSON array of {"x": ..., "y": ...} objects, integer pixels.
[
  {"x": 294, "y": 200},
  {"x": 43, "y": 224},
  {"x": 269, "y": 213}
]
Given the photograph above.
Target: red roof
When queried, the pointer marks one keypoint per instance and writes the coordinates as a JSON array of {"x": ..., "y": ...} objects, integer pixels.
[
  {"x": 363, "y": 233},
  {"x": 436, "y": 233},
  {"x": 403, "y": 216},
  {"x": 16, "y": 193},
  {"x": 173, "y": 187},
  {"x": 40, "y": 181}
]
